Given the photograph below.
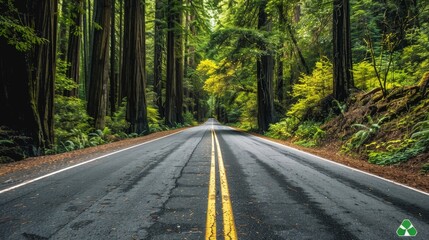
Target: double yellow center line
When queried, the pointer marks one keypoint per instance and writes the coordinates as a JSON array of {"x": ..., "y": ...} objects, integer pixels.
[{"x": 229, "y": 229}]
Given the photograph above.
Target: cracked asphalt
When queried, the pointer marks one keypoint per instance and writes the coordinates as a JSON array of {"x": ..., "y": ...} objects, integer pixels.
[{"x": 159, "y": 190}]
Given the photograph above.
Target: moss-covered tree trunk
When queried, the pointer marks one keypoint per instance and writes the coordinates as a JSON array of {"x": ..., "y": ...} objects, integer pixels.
[
  {"x": 27, "y": 77},
  {"x": 134, "y": 65},
  {"x": 265, "y": 74},
  {"x": 98, "y": 86}
]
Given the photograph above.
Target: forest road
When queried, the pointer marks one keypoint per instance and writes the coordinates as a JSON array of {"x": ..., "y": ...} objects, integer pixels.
[{"x": 206, "y": 182}]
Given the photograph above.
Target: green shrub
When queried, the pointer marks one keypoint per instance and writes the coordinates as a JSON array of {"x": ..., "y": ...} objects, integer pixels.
[
  {"x": 283, "y": 129},
  {"x": 365, "y": 133},
  {"x": 309, "y": 134},
  {"x": 311, "y": 89},
  {"x": 189, "y": 119},
  {"x": 70, "y": 113},
  {"x": 118, "y": 123},
  {"x": 425, "y": 168},
  {"x": 154, "y": 119},
  {"x": 392, "y": 157}
]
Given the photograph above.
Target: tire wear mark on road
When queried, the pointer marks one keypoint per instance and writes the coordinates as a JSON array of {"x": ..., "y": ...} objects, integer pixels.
[
  {"x": 159, "y": 227},
  {"x": 251, "y": 222},
  {"x": 211, "y": 202},
  {"x": 298, "y": 194},
  {"x": 406, "y": 208}
]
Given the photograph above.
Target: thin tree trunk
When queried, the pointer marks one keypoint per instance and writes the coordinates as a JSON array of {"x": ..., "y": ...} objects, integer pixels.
[
  {"x": 113, "y": 96},
  {"x": 265, "y": 73},
  {"x": 121, "y": 47},
  {"x": 159, "y": 45},
  {"x": 65, "y": 15},
  {"x": 73, "y": 51},
  {"x": 170, "y": 104},
  {"x": 86, "y": 44},
  {"x": 97, "y": 99},
  {"x": 179, "y": 61},
  {"x": 134, "y": 65},
  {"x": 27, "y": 78}
]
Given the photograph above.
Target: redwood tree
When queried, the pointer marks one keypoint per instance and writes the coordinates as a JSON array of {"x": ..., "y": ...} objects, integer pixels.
[
  {"x": 27, "y": 72},
  {"x": 265, "y": 74},
  {"x": 343, "y": 78},
  {"x": 98, "y": 86},
  {"x": 158, "y": 55},
  {"x": 133, "y": 69},
  {"x": 170, "y": 104},
  {"x": 74, "y": 44}
]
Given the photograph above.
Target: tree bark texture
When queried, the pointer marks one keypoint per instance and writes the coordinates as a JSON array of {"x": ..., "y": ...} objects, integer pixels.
[
  {"x": 133, "y": 72},
  {"x": 170, "y": 104},
  {"x": 74, "y": 45},
  {"x": 343, "y": 78},
  {"x": 113, "y": 96},
  {"x": 179, "y": 60},
  {"x": 98, "y": 86},
  {"x": 27, "y": 78},
  {"x": 158, "y": 56},
  {"x": 265, "y": 73}
]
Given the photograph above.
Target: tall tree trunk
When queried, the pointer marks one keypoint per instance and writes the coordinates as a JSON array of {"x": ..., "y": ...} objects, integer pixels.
[
  {"x": 86, "y": 44},
  {"x": 113, "y": 96},
  {"x": 73, "y": 50},
  {"x": 179, "y": 60},
  {"x": 170, "y": 104},
  {"x": 265, "y": 73},
  {"x": 280, "y": 80},
  {"x": 97, "y": 99},
  {"x": 343, "y": 78},
  {"x": 121, "y": 94},
  {"x": 27, "y": 78},
  {"x": 63, "y": 25},
  {"x": 134, "y": 65},
  {"x": 159, "y": 45},
  {"x": 280, "y": 54}
]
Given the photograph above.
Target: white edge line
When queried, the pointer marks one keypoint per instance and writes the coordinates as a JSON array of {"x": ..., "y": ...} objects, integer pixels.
[
  {"x": 83, "y": 163},
  {"x": 336, "y": 163}
]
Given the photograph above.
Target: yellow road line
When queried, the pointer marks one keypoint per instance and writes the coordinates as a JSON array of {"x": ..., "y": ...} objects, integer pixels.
[
  {"x": 211, "y": 204},
  {"x": 229, "y": 229}
]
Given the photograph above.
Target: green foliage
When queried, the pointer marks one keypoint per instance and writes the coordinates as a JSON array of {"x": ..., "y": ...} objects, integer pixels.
[
  {"x": 341, "y": 106},
  {"x": 13, "y": 145},
  {"x": 70, "y": 113},
  {"x": 189, "y": 119},
  {"x": 417, "y": 144},
  {"x": 154, "y": 119},
  {"x": 365, "y": 133},
  {"x": 22, "y": 37},
  {"x": 283, "y": 129},
  {"x": 392, "y": 157},
  {"x": 425, "y": 168},
  {"x": 118, "y": 123},
  {"x": 311, "y": 89},
  {"x": 421, "y": 131},
  {"x": 309, "y": 134},
  {"x": 415, "y": 57},
  {"x": 364, "y": 75},
  {"x": 62, "y": 82}
]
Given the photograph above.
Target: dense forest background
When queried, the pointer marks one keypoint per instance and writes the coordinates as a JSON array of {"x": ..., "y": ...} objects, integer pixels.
[{"x": 81, "y": 73}]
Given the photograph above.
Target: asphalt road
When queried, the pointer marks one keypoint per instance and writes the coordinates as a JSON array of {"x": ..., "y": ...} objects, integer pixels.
[{"x": 258, "y": 190}]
